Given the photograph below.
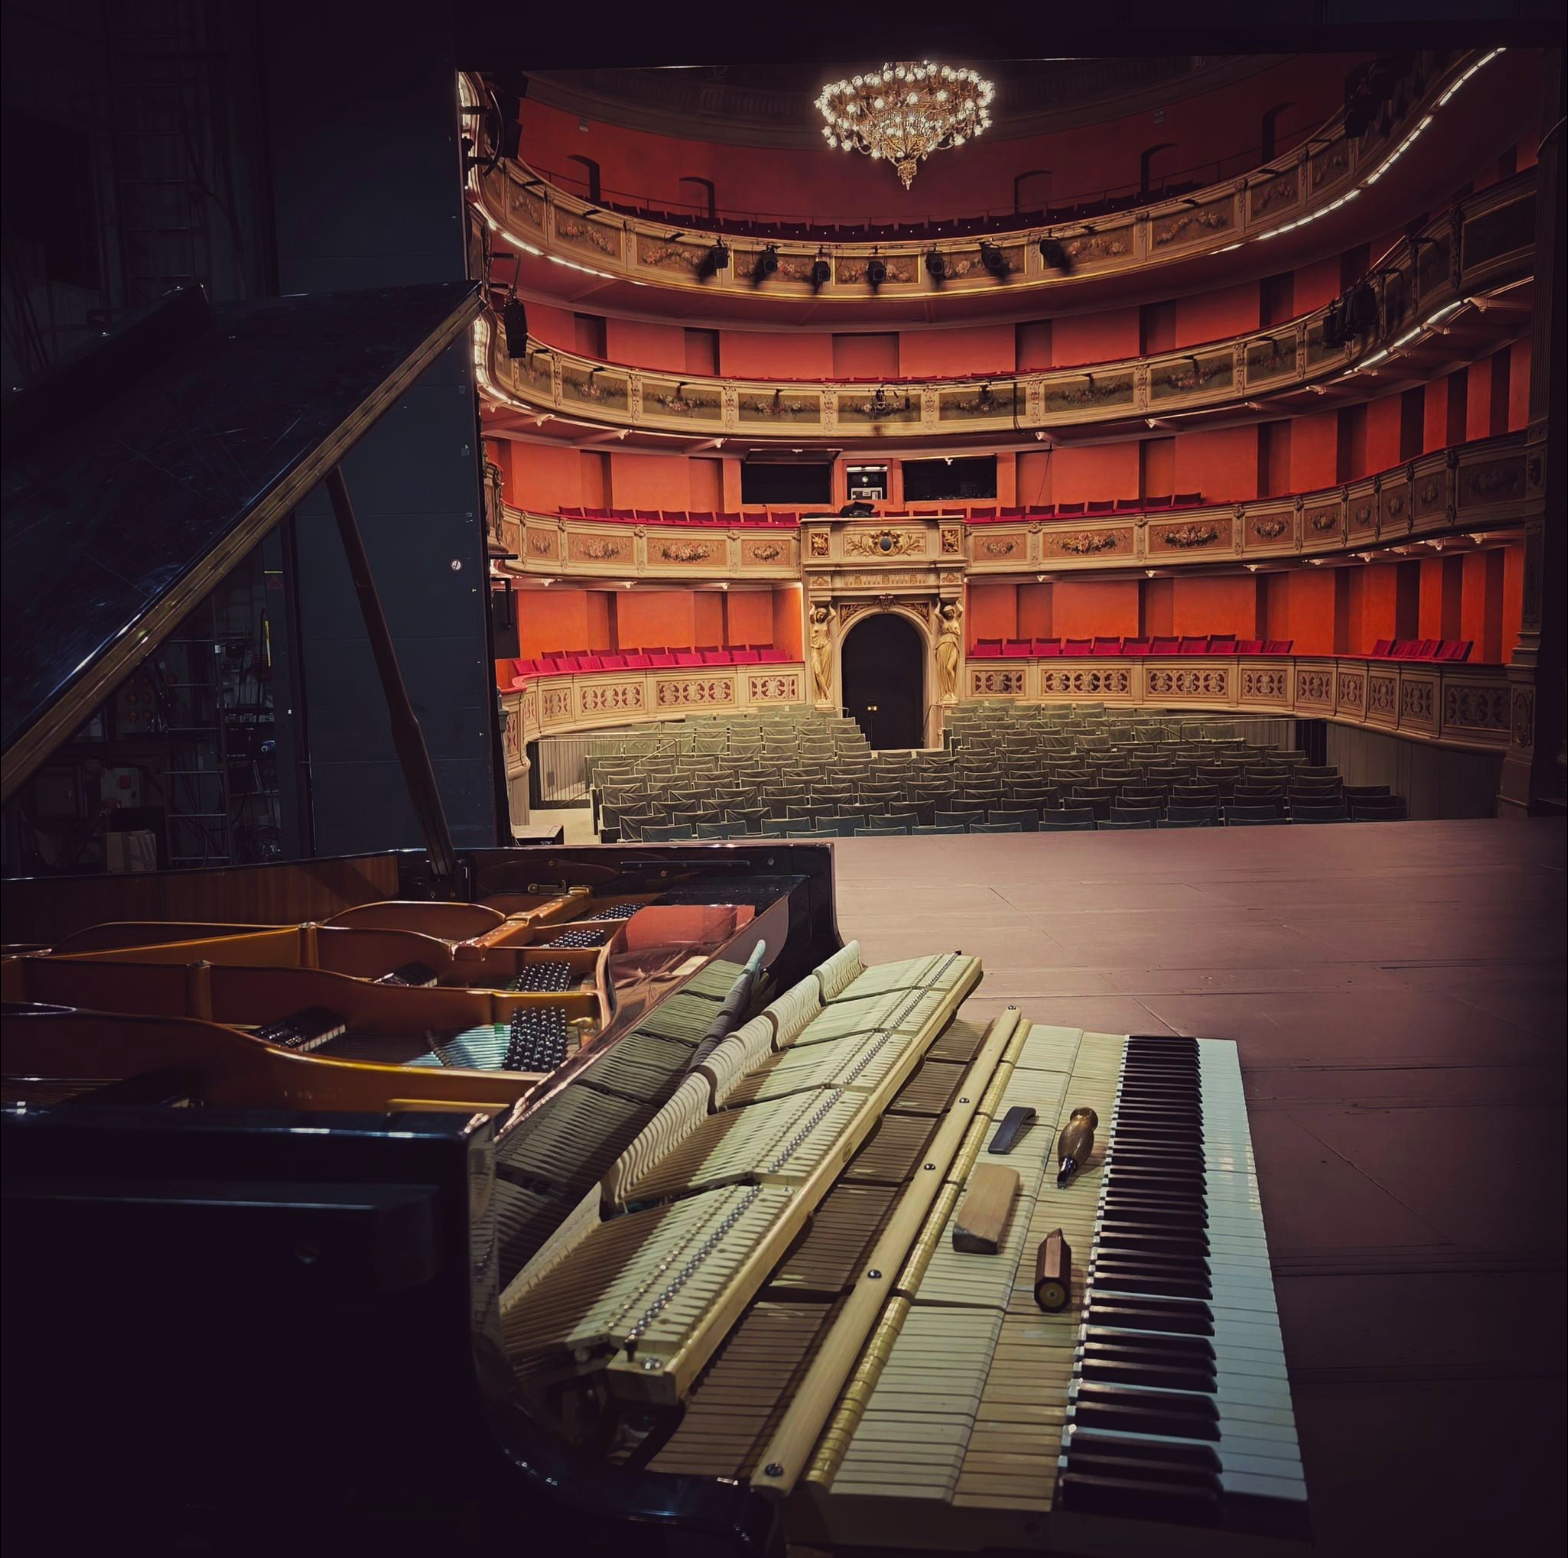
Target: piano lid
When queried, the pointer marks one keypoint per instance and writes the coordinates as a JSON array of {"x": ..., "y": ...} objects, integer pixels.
[{"x": 139, "y": 474}]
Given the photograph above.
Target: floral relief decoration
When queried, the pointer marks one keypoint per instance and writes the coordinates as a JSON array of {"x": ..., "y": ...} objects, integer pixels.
[
  {"x": 1087, "y": 542},
  {"x": 1187, "y": 537}
]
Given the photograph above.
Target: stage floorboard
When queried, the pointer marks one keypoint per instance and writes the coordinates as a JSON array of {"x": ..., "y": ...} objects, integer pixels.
[{"x": 1397, "y": 994}]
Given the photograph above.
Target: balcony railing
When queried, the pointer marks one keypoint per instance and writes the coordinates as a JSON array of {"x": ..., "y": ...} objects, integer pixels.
[
  {"x": 1485, "y": 242},
  {"x": 1294, "y": 187}
]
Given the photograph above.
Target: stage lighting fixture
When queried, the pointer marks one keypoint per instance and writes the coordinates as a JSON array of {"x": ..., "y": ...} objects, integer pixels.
[
  {"x": 993, "y": 259},
  {"x": 716, "y": 259},
  {"x": 768, "y": 261},
  {"x": 936, "y": 264},
  {"x": 821, "y": 272},
  {"x": 876, "y": 271},
  {"x": 1334, "y": 323},
  {"x": 1362, "y": 310},
  {"x": 1055, "y": 256},
  {"x": 514, "y": 320}
]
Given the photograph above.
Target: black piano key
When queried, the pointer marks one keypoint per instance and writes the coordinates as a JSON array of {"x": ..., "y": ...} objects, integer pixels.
[
  {"x": 303, "y": 1030},
  {"x": 1186, "y": 1349},
  {"x": 1161, "y": 1412},
  {"x": 1115, "y": 1493},
  {"x": 1151, "y": 1314},
  {"x": 1162, "y": 1284}
]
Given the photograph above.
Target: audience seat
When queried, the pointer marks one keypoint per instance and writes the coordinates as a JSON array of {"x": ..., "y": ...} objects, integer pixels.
[
  {"x": 1016, "y": 648},
  {"x": 1047, "y": 648},
  {"x": 1278, "y": 646},
  {"x": 1078, "y": 646},
  {"x": 1193, "y": 644},
  {"x": 1135, "y": 646},
  {"x": 1165, "y": 646},
  {"x": 1249, "y": 646},
  {"x": 1222, "y": 644},
  {"x": 987, "y": 649},
  {"x": 1107, "y": 646}
]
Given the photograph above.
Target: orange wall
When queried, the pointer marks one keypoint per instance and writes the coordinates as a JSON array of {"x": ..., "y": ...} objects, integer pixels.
[
  {"x": 1082, "y": 609},
  {"x": 786, "y": 620},
  {"x": 1213, "y": 606},
  {"x": 1519, "y": 385},
  {"x": 655, "y": 619},
  {"x": 992, "y": 611},
  {"x": 653, "y": 481},
  {"x": 1481, "y": 605},
  {"x": 540, "y": 477},
  {"x": 973, "y": 349},
  {"x": 750, "y": 617},
  {"x": 1222, "y": 465},
  {"x": 707, "y": 612},
  {"x": 1034, "y": 611},
  {"x": 868, "y": 356},
  {"x": 1032, "y": 477},
  {"x": 643, "y": 345},
  {"x": 561, "y": 620},
  {"x": 1094, "y": 471},
  {"x": 1300, "y": 606},
  {"x": 784, "y": 354}
]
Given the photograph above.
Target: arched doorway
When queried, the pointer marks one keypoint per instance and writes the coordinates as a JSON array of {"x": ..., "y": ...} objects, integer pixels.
[{"x": 884, "y": 680}]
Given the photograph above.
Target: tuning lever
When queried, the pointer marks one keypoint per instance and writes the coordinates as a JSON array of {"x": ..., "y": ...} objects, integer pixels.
[
  {"x": 1015, "y": 1122},
  {"x": 1053, "y": 1272}
]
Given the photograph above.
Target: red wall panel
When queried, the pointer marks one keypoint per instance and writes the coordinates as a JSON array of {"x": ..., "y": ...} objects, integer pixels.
[
  {"x": 956, "y": 353},
  {"x": 992, "y": 611},
  {"x": 1159, "y": 607},
  {"x": 544, "y": 477},
  {"x": 1034, "y": 611},
  {"x": 750, "y": 617},
  {"x": 785, "y": 354},
  {"x": 641, "y": 345},
  {"x": 707, "y": 612},
  {"x": 1089, "y": 338},
  {"x": 1519, "y": 385},
  {"x": 1094, "y": 471},
  {"x": 786, "y": 620},
  {"x": 1082, "y": 609},
  {"x": 651, "y": 481},
  {"x": 1316, "y": 284},
  {"x": 1382, "y": 449},
  {"x": 553, "y": 326},
  {"x": 1222, "y": 465},
  {"x": 561, "y": 620},
  {"x": 1226, "y": 605},
  {"x": 655, "y": 619},
  {"x": 1300, "y": 606},
  {"x": 1513, "y": 601},
  {"x": 1032, "y": 477},
  {"x": 1212, "y": 316},
  {"x": 867, "y": 356}
]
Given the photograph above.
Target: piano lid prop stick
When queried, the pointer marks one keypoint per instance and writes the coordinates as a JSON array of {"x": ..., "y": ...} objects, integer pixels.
[
  {"x": 1053, "y": 1273},
  {"x": 1074, "y": 1145}
]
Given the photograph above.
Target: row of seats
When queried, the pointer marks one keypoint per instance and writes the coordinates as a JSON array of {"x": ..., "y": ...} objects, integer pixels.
[
  {"x": 1452, "y": 651},
  {"x": 974, "y": 513},
  {"x": 785, "y": 231},
  {"x": 766, "y": 519},
  {"x": 1047, "y": 765},
  {"x": 1189, "y": 644},
  {"x": 509, "y": 673}
]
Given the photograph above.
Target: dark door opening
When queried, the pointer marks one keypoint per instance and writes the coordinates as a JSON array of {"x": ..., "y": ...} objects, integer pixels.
[{"x": 884, "y": 678}]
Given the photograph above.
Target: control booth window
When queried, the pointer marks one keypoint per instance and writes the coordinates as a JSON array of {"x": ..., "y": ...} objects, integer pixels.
[
  {"x": 767, "y": 481},
  {"x": 932, "y": 481}
]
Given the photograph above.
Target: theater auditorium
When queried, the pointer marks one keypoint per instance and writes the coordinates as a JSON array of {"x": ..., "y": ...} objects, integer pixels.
[{"x": 776, "y": 790}]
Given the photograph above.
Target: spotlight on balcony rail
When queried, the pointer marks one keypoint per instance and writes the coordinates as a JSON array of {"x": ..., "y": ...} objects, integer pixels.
[
  {"x": 1055, "y": 256},
  {"x": 768, "y": 262},
  {"x": 514, "y": 320},
  {"x": 876, "y": 270},
  {"x": 993, "y": 259},
  {"x": 716, "y": 259},
  {"x": 936, "y": 264},
  {"x": 821, "y": 271}
]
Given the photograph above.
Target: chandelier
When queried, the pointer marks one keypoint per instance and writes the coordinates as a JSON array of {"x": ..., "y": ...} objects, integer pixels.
[{"x": 902, "y": 113}]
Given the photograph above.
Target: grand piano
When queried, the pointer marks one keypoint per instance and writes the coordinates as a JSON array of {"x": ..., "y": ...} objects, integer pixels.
[{"x": 586, "y": 1199}]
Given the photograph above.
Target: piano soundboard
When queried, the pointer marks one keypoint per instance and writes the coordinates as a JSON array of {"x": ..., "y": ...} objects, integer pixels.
[{"x": 759, "y": 1281}]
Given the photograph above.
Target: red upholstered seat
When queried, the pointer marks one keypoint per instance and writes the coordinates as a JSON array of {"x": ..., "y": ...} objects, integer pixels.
[
  {"x": 1186, "y": 500},
  {"x": 772, "y": 656},
  {"x": 590, "y": 663},
  {"x": 1163, "y": 502},
  {"x": 729, "y": 517},
  {"x": 1279, "y": 646},
  {"x": 744, "y": 657},
  {"x": 700, "y": 517},
  {"x": 573, "y": 513},
  {"x": 567, "y": 663},
  {"x": 1426, "y": 649},
  {"x": 1222, "y": 644},
  {"x": 1454, "y": 650},
  {"x": 1009, "y": 513},
  {"x": 687, "y": 657},
  {"x": 791, "y": 518},
  {"x": 753, "y": 518},
  {"x": 988, "y": 649},
  {"x": 1382, "y": 649},
  {"x": 1128, "y": 505},
  {"x": 639, "y": 662},
  {"x": 1077, "y": 646},
  {"x": 1165, "y": 646},
  {"x": 1069, "y": 508},
  {"x": 1100, "y": 506},
  {"x": 647, "y": 516},
  {"x": 1249, "y": 646},
  {"x": 1017, "y": 648},
  {"x": 1048, "y": 648},
  {"x": 1104, "y": 645},
  {"x": 661, "y": 658},
  {"x": 623, "y": 514},
  {"x": 1404, "y": 649},
  {"x": 1041, "y": 510},
  {"x": 613, "y": 662},
  {"x": 1135, "y": 646},
  {"x": 715, "y": 656},
  {"x": 1192, "y": 645},
  {"x": 983, "y": 513}
]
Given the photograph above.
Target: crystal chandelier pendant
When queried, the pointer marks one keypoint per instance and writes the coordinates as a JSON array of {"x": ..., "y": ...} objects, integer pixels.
[{"x": 903, "y": 113}]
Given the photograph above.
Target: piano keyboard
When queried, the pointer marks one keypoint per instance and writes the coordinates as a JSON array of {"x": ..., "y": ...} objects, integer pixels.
[
  {"x": 1179, "y": 1407},
  {"x": 419, "y": 975},
  {"x": 1159, "y": 1395}
]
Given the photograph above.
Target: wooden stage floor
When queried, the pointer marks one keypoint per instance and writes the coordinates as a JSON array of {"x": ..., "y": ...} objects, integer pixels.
[{"x": 1397, "y": 994}]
